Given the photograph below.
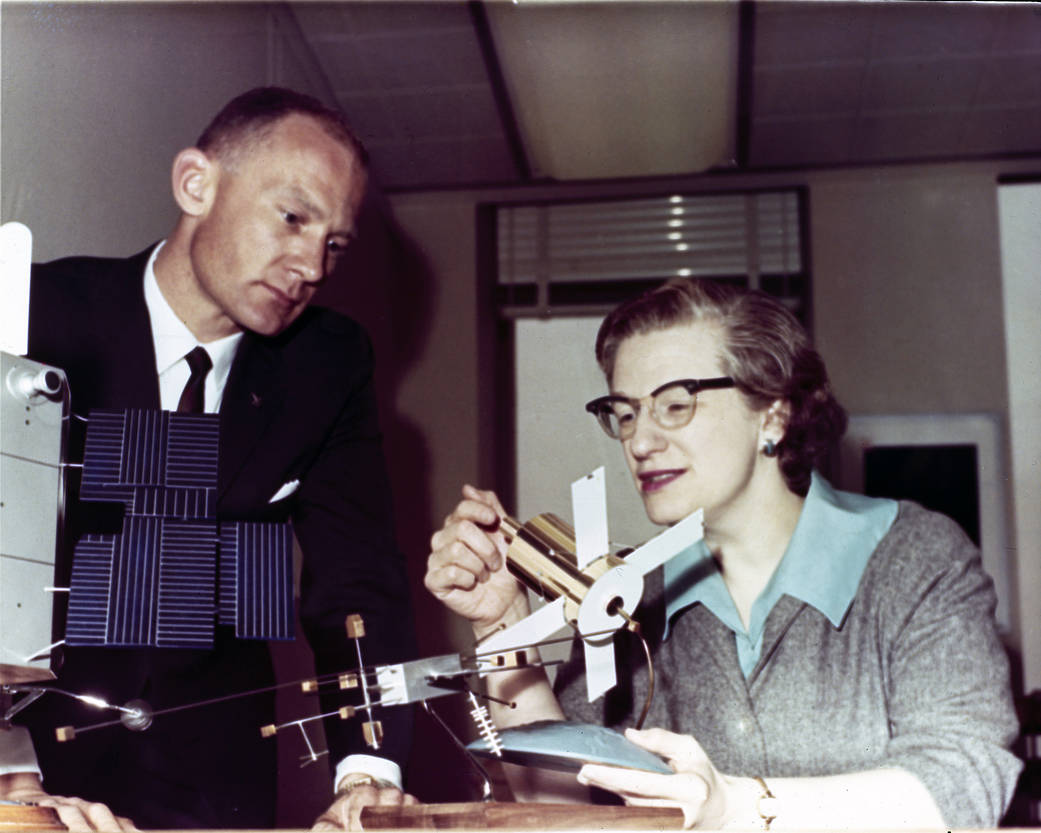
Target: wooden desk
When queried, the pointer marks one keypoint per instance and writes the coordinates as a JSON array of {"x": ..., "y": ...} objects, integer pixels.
[
  {"x": 29, "y": 817},
  {"x": 495, "y": 815}
]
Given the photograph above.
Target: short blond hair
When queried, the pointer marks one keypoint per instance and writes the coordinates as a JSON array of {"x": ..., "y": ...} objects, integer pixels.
[{"x": 247, "y": 118}]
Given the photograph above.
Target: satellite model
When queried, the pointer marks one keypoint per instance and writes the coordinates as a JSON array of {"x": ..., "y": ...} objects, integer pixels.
[
  {"x": 173, "y": 570},
  {"x": 587, "y": 593}
]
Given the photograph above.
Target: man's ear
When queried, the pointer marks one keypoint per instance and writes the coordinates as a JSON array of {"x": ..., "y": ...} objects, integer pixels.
[{"x": 194, "y": 181}]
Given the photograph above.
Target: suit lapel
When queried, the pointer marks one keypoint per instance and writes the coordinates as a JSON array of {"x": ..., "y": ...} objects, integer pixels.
[
  {"x": 137, "y": 383},
  {"x": 247, "y": 408},
  {"x": 125, "y": 346}
]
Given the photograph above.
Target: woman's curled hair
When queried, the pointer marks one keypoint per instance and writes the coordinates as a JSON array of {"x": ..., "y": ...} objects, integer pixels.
[{"x": 765, "y": 349}]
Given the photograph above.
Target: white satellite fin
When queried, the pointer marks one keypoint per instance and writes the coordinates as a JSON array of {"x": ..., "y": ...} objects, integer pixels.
[
  {"x": 16, "y": 245},
  {"x": 665, "y": 545},
  {"x": 589, "y": 508},
  {"x": 538, "y": 627},
  {"x": 621, "y": 587}
]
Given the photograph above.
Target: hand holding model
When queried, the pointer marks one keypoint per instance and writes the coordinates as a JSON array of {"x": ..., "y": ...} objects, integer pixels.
[{"x": 467, "y": 565}]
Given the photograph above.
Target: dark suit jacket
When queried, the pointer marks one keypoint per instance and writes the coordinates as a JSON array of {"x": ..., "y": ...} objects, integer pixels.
[{"x": 296, "y": 406}]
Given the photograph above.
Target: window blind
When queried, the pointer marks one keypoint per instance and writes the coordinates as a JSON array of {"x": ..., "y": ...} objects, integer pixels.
[{"x": 586, "y": 256}]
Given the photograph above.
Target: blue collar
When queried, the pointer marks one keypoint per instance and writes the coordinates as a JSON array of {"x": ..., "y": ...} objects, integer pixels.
[{"x": 848, "y": 525}]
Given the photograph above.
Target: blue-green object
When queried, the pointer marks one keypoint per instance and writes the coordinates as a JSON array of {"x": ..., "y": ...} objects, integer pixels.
[{"x": 565, "y": 745}]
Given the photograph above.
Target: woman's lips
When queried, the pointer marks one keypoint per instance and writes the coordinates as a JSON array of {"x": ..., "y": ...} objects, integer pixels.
[{"x": 653, "y": 481}]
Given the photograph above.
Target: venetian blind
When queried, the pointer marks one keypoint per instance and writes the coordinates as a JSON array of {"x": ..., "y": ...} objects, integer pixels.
[{"x": 568, "y": 258}]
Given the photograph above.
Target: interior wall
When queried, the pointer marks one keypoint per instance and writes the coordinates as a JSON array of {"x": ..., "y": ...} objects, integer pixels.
[
  {"x": 87, "y": 139},
  {"x": 907, "y": 288},
  {"x": 1020, "y": 211}
]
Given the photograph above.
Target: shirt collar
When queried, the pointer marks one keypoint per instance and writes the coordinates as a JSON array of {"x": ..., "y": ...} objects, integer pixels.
[
  {"x": 171, "y": 336},
  {"x": 849, "y": 526}
]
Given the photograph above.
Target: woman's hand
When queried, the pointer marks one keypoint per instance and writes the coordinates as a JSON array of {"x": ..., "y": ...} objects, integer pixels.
[
  {"x": 707, "y": 798},
  {"x": 467, "y": 565},
  {"x": 467, "y": 571}
]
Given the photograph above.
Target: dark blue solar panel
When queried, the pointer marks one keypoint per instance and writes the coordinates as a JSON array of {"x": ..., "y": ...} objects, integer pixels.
[
  {"x": 159, "y": 581},
  {"x": 161, "y": 502},
  {"x": 87, "y": 622},
  {"x": 135, "y": 576},
  {"x": 155, "y": 462},
  {"x": 144, "y": 447},
  {"x": 153, "y": 584},
  {"x": 187, "y": 584},
  {"x": 228, "y": 569},
  {"x": 191, "y": 451},
  {"x": 264, "y": 579},
  {"x": 103, "y": 458}
]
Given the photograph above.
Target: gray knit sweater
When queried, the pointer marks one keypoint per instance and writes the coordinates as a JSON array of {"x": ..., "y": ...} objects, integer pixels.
[{"x": 915, "y": 677}]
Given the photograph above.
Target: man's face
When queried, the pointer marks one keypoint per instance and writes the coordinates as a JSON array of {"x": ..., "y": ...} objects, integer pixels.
[{"x": 282, "y": 213}]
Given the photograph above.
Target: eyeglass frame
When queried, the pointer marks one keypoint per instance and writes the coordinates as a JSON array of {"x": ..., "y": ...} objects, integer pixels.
[{"x": 692, "y": 386}]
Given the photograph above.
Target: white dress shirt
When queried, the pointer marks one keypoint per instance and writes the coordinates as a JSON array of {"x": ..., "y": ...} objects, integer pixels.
[
  {"x": 16, "y": 751},
  {"x": 173, "y": 341}
]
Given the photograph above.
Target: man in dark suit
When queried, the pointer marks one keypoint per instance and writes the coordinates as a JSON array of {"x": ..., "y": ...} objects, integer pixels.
[{"x": 268, "y": 200}]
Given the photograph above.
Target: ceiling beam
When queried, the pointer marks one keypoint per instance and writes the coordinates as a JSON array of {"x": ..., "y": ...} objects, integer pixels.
[
  {"x": 501, "y": 95},
  {"x": 745, "y": 82}
]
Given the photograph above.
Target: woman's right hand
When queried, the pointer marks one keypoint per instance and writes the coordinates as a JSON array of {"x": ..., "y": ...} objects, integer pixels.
[
  {"x": 467, "y": 571},
  {"x": 467, "y": 565}
]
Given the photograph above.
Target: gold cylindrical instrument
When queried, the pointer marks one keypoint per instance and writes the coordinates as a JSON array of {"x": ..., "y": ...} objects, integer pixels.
[{"x": 542, "y": 556}]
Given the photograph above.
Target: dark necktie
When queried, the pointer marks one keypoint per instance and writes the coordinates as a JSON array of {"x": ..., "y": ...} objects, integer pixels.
[{"x": 192, "y": 397}]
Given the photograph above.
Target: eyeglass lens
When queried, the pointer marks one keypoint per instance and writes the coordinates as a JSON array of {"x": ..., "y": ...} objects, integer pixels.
[{"x": 671, "y": 408}]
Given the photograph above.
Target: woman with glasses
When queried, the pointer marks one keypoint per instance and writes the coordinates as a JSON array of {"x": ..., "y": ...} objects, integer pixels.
[{"x": 824, "y": 660}]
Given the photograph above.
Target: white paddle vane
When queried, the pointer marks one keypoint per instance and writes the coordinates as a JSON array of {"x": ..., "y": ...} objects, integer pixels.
[{"x": 16, "y": 243}]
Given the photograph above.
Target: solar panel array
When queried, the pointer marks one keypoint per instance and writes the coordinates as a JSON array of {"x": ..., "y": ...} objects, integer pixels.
[
  {"x": 256, "y": 567},
  {"x": 157, "y": 463},
  {"x": 173, "y": 571}
]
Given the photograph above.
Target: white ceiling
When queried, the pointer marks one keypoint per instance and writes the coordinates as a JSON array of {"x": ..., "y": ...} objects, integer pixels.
[{"x": 478, "y": 93}]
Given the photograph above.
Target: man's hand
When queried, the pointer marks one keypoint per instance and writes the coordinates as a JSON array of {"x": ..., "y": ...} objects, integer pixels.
[
  {"x": 75, "y": 813},
  {"x": 345, "y": 811}
]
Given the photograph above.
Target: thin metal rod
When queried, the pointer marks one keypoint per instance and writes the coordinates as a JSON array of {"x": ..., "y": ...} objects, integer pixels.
[
  {"x": 182, "y": 707},
  {"x": 650, "y": 681},
  {"x": 486, "y": 792},
  {"x": 569, "y": 638}
]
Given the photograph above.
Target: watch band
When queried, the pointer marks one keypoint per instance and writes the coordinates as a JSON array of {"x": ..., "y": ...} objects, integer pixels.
[
  {"x": 349, "y": 784},
  {"x": 766, "y": 804}
]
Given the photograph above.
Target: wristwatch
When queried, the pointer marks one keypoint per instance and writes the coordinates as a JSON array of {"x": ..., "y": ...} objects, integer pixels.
[
  {"x": 349, "y": 784},
  {"x": 766, "y": 805}
]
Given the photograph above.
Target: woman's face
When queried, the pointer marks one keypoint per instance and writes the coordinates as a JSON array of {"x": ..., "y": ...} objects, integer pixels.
[{"x": 710, "y": 462}]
